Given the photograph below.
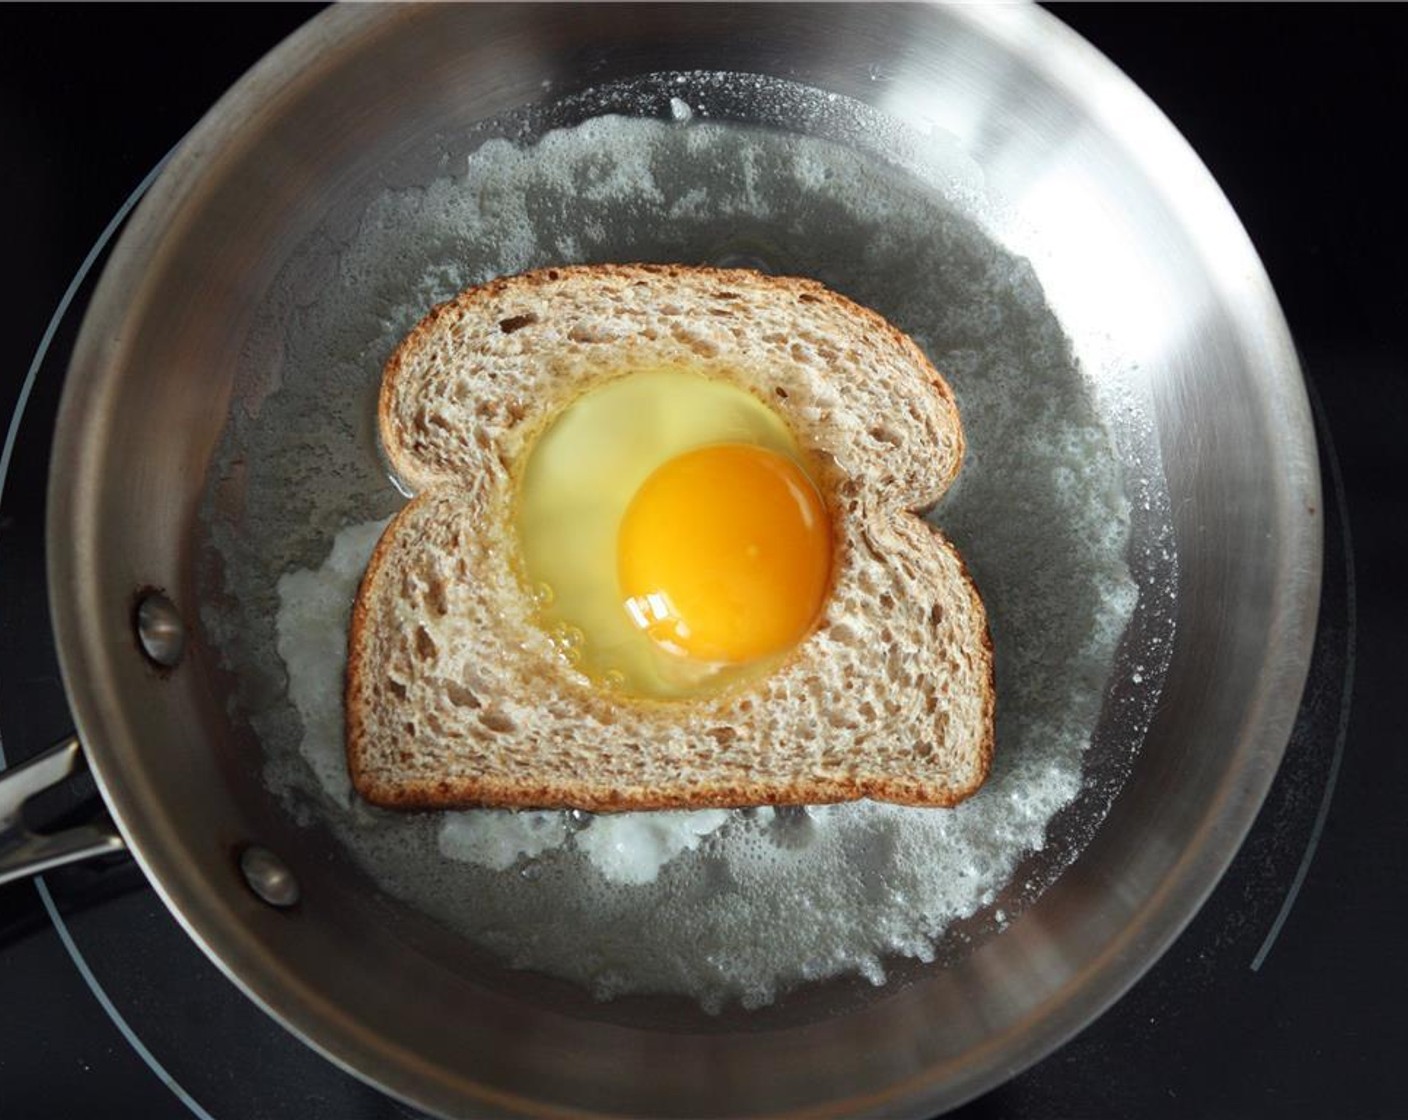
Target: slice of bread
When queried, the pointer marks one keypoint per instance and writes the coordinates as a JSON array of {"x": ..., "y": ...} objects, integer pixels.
[{"x": 455, "y": 698}]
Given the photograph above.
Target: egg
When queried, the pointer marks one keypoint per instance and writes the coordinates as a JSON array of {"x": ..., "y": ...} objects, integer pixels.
[{"x": 671, "y": 535}]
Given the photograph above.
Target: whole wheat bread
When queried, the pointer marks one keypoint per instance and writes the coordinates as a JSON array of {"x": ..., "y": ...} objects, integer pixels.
[{"x": 455, "y": 697}]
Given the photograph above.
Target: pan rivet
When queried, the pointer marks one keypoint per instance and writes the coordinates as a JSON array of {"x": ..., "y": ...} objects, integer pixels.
[
  {"x": 268, "y": 876},
  {"x": 160, "y": 630}
]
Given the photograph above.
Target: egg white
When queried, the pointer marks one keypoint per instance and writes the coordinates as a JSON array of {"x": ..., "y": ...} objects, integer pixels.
[{"x": 576, "y": 484}]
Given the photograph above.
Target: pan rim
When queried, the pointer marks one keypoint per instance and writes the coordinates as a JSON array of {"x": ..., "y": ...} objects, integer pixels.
[{"x": 1164, "y": 914}]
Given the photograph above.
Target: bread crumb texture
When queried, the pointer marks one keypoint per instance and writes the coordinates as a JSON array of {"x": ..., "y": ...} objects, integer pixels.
[{"x": 456, "y": 698}]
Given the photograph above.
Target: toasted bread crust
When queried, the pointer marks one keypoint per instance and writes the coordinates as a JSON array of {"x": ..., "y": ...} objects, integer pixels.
[
  {"x": 358, "y": 638},
  {"x": 411, "y": 470},
  {"x": 758, "y": 769}
]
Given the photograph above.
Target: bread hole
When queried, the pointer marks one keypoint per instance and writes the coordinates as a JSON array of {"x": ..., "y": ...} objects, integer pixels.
[
  {"x": 883, "y": 433},
  {"x": 409, "y": 728},
  {"x": 936, "y": 614},
  {"x": 724, "y": 294},
  {"x": 887, "y": 601},
  {"x": 721, "y": 312},
  {"x": 517, "y": 410},
  {"x": 807, "y": 297},
  {"x": 517, "y": 322},
  {"x": 426, "y": 420},
  {"x": 438, "y": 597},
  {"x": 397, "y": 689},
  {"x": 696, "y": 342},
  {"x": 780, "y": 391},
  {"x": 497, "y": 722},
  {"x": 440, "y": 730},
  {"x": 426, "y": 648},
  {"x": 591, "y": 332},
  {"x": 800, "y": 354},
  {"x": 553, "y": 274},
  {"x": 461, "y": 697},
  {"x": 867, "y": 710},
  {"x": 924, "y": 749},
  {"x": 843, "y": 633},
  {"x": 887, "y": 635},
  {"x": 724, "y": 736}
]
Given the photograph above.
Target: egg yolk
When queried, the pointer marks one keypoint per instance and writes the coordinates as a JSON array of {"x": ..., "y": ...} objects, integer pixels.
[{"x": 724, "y": 554}]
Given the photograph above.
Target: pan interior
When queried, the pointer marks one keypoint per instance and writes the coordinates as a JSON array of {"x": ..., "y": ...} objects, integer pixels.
[{"x": 1061, "y": 513}]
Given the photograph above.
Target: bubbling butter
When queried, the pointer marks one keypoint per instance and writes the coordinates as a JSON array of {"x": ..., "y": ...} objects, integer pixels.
[{"x": 732, "y": 907}]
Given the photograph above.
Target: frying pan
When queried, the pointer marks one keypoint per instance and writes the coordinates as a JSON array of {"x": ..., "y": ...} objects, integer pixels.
[{"x": 1145, "y": 254}]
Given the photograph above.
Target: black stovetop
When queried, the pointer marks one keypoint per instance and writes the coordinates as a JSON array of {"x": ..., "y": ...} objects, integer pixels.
[{"x": 1285, "y": 997}]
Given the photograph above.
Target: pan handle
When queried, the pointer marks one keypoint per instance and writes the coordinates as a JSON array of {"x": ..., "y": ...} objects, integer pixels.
[{"x": 23, "y": 852}]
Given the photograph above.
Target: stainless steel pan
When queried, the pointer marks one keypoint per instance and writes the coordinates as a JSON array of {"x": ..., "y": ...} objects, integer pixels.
[{"x": 1147, "y": 251}]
